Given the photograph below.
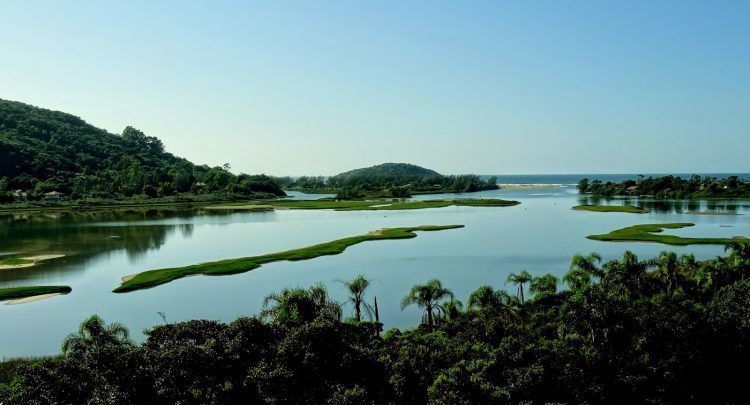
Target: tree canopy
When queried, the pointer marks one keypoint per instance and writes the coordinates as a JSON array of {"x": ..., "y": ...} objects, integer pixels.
[{"x": 43, "y": 150}]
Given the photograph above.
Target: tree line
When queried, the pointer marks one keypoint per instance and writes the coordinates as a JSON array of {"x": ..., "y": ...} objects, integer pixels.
[
  {"x": 670, "y": 187},
  {"x": 665, "y": 330}
]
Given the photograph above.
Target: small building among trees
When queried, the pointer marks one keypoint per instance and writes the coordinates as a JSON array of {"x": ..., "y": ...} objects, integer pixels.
[{"x": 54, "y": 196}]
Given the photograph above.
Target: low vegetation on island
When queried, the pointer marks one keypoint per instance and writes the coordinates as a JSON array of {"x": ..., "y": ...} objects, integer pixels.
[
  {"x": 153, "y": 278},
  {"x": 664, "y": 330},
  {"x": 365, "y": 205},
  {"x": 670, "y": 187},
  {"x": 612, "y": 208},
  {"x": 652, "y": 233},
  {"x": 13, "y": 293}
]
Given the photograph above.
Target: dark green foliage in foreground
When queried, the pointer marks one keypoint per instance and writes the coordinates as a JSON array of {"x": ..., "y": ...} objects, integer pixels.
[
  {"x": 153, "y": 278},
  {"x": 670, "y": 187},
  {"x": 652, "y": 233},
  {"x": 23, "y": 292},
  {"x": 667, "y": 330},
  {"x": 43, "y": 150}
]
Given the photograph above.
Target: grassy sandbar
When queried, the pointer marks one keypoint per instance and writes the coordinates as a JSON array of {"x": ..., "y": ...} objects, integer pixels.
[
  {"x": 652, "y": 233},
  {"x": 612, "y": 208},
  {"x": 24, "y": 292},
  {"x": 153, "y": 278},
  {"x": 371, "y": 205}
]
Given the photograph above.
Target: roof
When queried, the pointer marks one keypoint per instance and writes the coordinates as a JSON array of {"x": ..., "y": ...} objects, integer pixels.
[{"x": 54, "y": 193}]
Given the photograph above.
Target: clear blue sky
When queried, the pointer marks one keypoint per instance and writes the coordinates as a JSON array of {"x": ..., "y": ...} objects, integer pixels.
[{"x": 318, "y": 87}]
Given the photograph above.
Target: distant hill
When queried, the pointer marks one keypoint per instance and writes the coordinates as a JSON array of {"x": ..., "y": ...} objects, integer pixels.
[
  {"x": 43, "y": 150},
  {"x": 402, "y": 180},
  {"x": 398, "y": 173}
]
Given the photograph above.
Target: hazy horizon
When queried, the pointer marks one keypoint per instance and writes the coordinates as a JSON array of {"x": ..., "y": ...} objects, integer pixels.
[{"x": 320, "y": 88}]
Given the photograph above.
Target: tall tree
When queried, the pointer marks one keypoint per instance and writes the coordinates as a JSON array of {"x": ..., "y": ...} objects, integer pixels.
[
  {"x": 356, "y": 290},
  {"x": 300, "y": 305},
  {"x": 429, "y": 296},
  {"x": 519, "y": 280},
  {"x": 93, "y": 333}
]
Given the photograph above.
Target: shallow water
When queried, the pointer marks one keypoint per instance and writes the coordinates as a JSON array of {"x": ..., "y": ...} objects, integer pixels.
[{"x": 540, "y": 235}]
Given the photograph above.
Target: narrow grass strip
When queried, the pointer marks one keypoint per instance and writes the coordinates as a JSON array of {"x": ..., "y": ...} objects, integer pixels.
[
  {"x": 612, "y": 208},
  {"x": 652, "y": 233},
  {"x": 24, "y": 292},
  {"x": 153, "y": 278},
  {"x": 368, "y": 205}
]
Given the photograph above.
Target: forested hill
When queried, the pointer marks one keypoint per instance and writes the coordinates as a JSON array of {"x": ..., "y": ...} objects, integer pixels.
[
  {"x": 386, "y": 172},
  {"x": 403, "y": 179},
  {"x": 43, "y": 150}
]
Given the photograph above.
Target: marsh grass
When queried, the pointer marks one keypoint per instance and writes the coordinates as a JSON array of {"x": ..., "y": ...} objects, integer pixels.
[
  {"x": 153, "y": 278},
  {"x": 652, "y": 233}
]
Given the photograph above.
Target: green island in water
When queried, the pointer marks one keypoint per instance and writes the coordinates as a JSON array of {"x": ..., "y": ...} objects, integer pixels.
[
  {"x": 13, "y": 293},
  {"x": 153, "y": 278},
  {"x": 612, "y": 208},
  {"x": 652, "y": 233}
]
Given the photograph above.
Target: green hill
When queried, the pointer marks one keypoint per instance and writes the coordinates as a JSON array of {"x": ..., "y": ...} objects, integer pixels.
[
  {"x": 402, "y": 180},
  {"x": 43, "y": 150},
  {"x": 399, "y": 173}
]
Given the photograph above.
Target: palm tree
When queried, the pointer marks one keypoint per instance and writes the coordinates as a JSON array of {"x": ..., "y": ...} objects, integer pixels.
[
  {"x": 519, "y": 279},
  {"x": 668, "y": 264},
  {"x": 300, "y": 305},
  {"x": 356, "y": 289},
  {"x": 584, "y": 270},
  {"x": 627, "y": 277},
  {"x": 486, "y": 298},
  {"x": 740, "y": 256},
  {"x": 428, "y": 296},
  {"x": 453, "y": 309},
  {"x": 92, "y": 333}
]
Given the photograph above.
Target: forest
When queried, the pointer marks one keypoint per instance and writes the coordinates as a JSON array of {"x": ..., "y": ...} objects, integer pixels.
[
  {"x": 670, "y": 187},
  {"x": 669, "y": 329},
  {"x": 43, "y": 151}
]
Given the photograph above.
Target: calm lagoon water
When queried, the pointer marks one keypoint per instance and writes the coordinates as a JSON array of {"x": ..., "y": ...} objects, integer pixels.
[{"x": 540, "y": 235}]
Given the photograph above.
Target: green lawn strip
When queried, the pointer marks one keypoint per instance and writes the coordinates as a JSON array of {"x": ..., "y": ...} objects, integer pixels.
[
  {"x": 23, "y": 292},
  {"x": 612, "y": 208},
  {"x": 153, "y": 278},
  {"x": 15, "y": 262},
  {"x": 371, "y": 205},
  {"x": 651, "y": 233}
]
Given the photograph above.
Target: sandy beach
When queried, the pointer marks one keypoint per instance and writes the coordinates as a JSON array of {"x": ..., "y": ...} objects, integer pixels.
[
  {"x": 31, "y": 299},
  {"x": 528, "y": 186}
]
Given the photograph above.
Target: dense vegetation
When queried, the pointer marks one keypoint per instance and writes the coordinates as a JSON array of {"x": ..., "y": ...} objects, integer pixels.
[
  {"x": 43, "y": 151},
  {"x": 670, "y": 187},
  {"x": 667, "y": 330},
  {"x": 389, "y": 180}
]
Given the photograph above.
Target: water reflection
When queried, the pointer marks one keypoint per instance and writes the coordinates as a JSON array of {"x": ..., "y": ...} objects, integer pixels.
[
  {"x": 84, "y": 236},
  {"x": 728, "y": 207}
]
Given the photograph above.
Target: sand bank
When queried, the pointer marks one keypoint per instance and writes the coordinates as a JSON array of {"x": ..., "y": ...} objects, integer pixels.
[
  {"x": 33, "y": 260},
  {"x": 31, "y": 299}
]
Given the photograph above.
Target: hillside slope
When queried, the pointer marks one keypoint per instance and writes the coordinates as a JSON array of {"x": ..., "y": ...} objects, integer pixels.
[{"x": 43, "y": 150}]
